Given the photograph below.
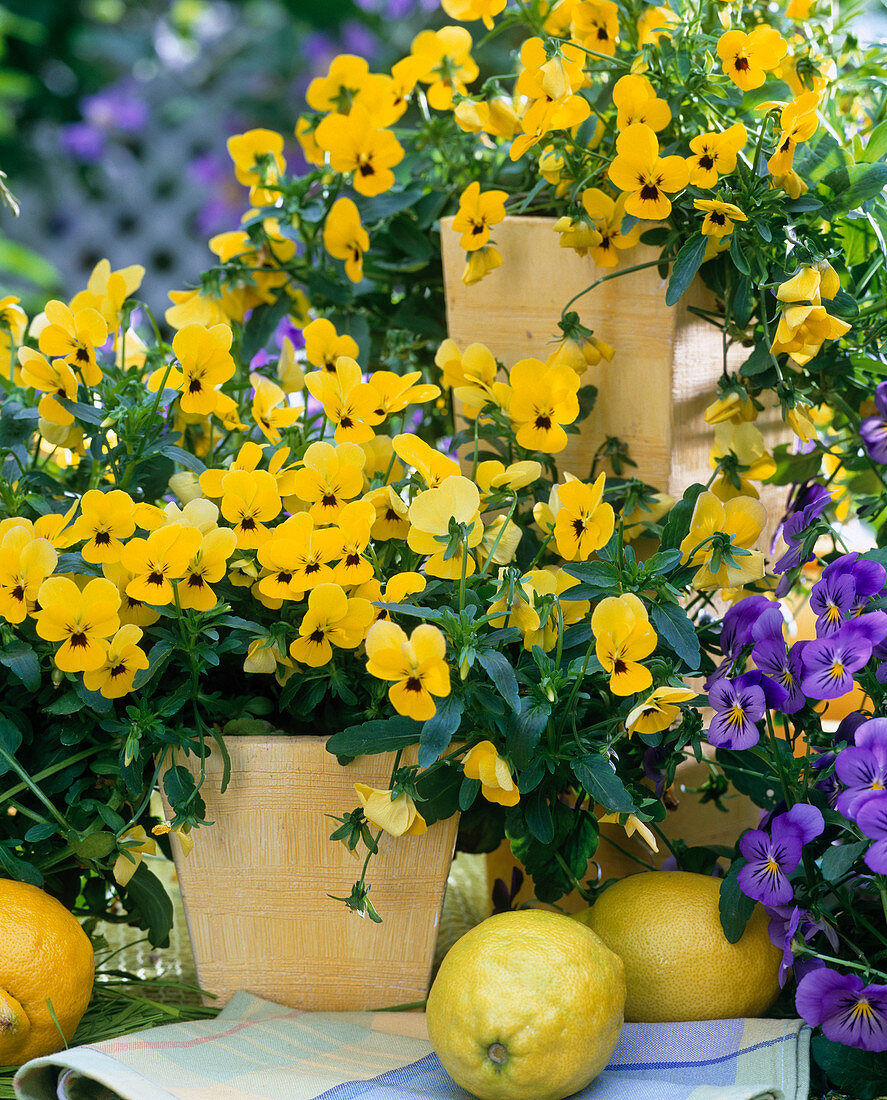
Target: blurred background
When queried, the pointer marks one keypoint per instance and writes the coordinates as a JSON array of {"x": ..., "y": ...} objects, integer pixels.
[{"x": 114, "y": 116}]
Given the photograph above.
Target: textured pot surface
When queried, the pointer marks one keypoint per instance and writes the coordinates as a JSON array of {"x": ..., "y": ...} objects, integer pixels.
[{"x": 256, "y": 885}]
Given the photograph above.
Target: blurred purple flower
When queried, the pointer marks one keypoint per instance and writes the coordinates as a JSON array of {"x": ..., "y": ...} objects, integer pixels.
[
  {"x": 862, "y": 767},
  {"x": 772, "y": 857},
  {"x": 873, "y": 429},
  {"x": 82, "y": 141},
  {"x": 871, "y": 817},
  {"x": 116, "y": 108},
  {"x": 849, "y": 1011},
  {"x": 358, "y": 39}
]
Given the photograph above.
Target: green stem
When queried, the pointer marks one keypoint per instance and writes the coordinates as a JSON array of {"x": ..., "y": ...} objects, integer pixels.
[{"x": 15, "y": 766}]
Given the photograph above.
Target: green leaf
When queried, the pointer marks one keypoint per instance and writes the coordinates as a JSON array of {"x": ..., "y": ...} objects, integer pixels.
[
  {"x": 686, "y": 264},
  {"x": 597, "y": 776},
  {"x": 25, "y": 264},
  {"x": 861, "y": 1074},
  {"x": 758, "y": 362},
  {"x": 662, "y": 562},
  {"x": 19, "y": 869},
  {"x": 677, "y": 525},
  {"x": 438, "y": 730},
  {"x": 738, "y": 256},
  {"x": 379, "y": 735},
  {"x": 673, "y": 624},
  {"x": 876, "y": 146},
  {"x": 468, "y": 792},
  {"x": 87, "y": 413},
  {"x": 439, "y": 791},
  {"x": 387, "y": 204},
  {"x": 537, "y": 814},
  {"x": 839, "y": 858},
  {"x": 355, "y": 325},
  {"x": 574, "y": 841},
  {"x": 498, "y": 668},
  {"x": 69, "y": 703},
  {"x": 10, "y": 740},
  {"x": 866, "y": 181},
  {"x": 524, "y": 732},
  {"x": 22, "y": 661},
  {"x": 183, "y": 457},
  {"x": 149, "y": 903},
  {"x": 734, "y": 907},
  {"x": 257, "y": 331}
]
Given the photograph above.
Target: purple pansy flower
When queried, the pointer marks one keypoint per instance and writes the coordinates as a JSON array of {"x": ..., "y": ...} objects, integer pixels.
[
  {"x": 871, "y": 817},
  {"x": 772, "y": 857},
  {"x": 739, "y": 706},
  {"x": 736, "y": 630},
  {"x": 868, "y": 576},
  {"x": 829, "y": 663},
  {"x": 784, "y": 666},
  {"x": 862, "y": 767},
  {"x": 787, "y": 921},
  {"x": 809, "y": 506},
  {"x": 849, "y": 1011},
  {"x": 831, "y": 601},
  {"x": 874, "y": 428}
]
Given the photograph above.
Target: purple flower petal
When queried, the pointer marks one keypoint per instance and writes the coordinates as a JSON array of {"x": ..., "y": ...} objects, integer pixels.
[
  {"x": 807, "y": 821},
  {"x": 849, "y": 1011},
  {"x": 871, "y": 815}
]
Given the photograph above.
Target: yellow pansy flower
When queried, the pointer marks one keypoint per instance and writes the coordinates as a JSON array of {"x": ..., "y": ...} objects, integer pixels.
[
  {"x": 636, "y": 101},
  {"x": 649, "y": 510},
  {"x": 584, "y": 522},
  {"x": 415, "y": 665},
  {"x": 78, "y": 618},
  {"x": 395, "y": 814},
  {"x": 720, "y": 217},
  {"x": 25, "y": 563},
  {"x": 249, "y": 500},
  {"x": 431, "y": 513},
  {"x": 269, "y": 408},
  {"x": 479, "y": 264},
  {"x": 206, "y": 567},
  {"x": 297, "y": 557},
  {"x": 445, "y": 64},
  {"x": 131, "y": 611},
  {"x": 493, "y": 474},
  {"x": 466, "y": 11},
  {"x": 797, "y": 122},
  {"x": 205, "y": 363},
  {"x": 380, "y": 459},
  {"x": 396, "y": 391},
  {"x": 356, "y": 145},
  {"x": 123, "y": 659},
  {"x": 595, "y": 23},
  {"x": 580, "y": 354},
  {"x": 348, "y": 401},
  {"x": 623, "y": 638},
  {"x": 248, "y": 458},
  {"x": 258, "y": 163},
  {"x": 13, "y": 322},
  {"x": 522, "y": 611},
  {"x": 747, "y": 58},
  {"x": 346, "y": 239},
  {"x": 355, "y": 524},
  {"x": 714, "y": 154},
  {"x": 742, "y": 519},
  {"x": 478, "y": 211},
  {"x": 606, "y": 216},
  {"x": 332, "y": 619},
  {"x": 396, "y": 590},
  {"x": 105, "y": 520},
  {"x": 483, "y": 762},
  {"x": 754, "y": 461},
  {"x": 158, "y": 560},
  {"x": 392, "y": 512},
  {"x": 658, "y": 710},
  {"x": 431, "y": 465},
  {"x": 653, "y": 23},
  {"x": 631, "y": 824},
  {"x": 74, "y": 337},
  {"x": 134, "y": 844},
  {"x": 330, "y": 476},
  {"x": 731, "y": 407},
  {"x": 341, "y": 88},
  {"x": 644, "y": 175},
  {"x": 324, "y": 346},
  {"x": 52, "y": 380},
  {"x": 542, "y": 400}
]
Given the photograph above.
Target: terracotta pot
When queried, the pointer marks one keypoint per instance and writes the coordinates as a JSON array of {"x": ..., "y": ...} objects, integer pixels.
[{"x": 256, "y": 886}]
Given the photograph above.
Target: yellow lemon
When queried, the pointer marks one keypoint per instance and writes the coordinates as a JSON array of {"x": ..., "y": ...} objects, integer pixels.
[
  {"x": 679, "y": 965},
  {"x": 526, "y": 1006},
  {"x": 44, "y": 955}
]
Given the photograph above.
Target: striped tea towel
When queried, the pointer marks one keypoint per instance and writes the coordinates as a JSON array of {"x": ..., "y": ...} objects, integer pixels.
[{"x": 255, "y": 1050}]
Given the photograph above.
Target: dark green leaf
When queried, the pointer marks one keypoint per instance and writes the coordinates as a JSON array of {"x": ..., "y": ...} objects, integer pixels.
[
  {"x": 10, "y": 740},
  {"x": 677, "y": 525},
  {"x": 257, "y": 331},
  {"x": 353, "y": 324},
  {"x": 19, "y": 869},
  {"x": 148, "y": 901},
  {"x": 839, "y": 858},
  {"x": 597, "y": 776},
  {"x": 438, "y": 731},
  {"x": 663, "y": 562},
  {"x": 468, "y": 791},
  {"x": 22, "y": 661},
  {"x": 183, "y": 457},
  {"x": 861, "y": 1074},
  {"x": 673, "y": 624},
  {"x": 737, "y": 255},
  {"x": 538, "y": 816},
  {"x": 498, "y": 668},
  {"x": 686, "y": 264},
  {"x": 43, "y": 831},
  {"x": 866, "y": 181},
  {"x": 87, "y": 413},
  {"x": 734, "y": 907},
  {"x": 439, "y": 790},
  {"x": 758, "y": 362},
  {"x": 379, "y": 735},
  {"x": 524, "y": 732}
]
